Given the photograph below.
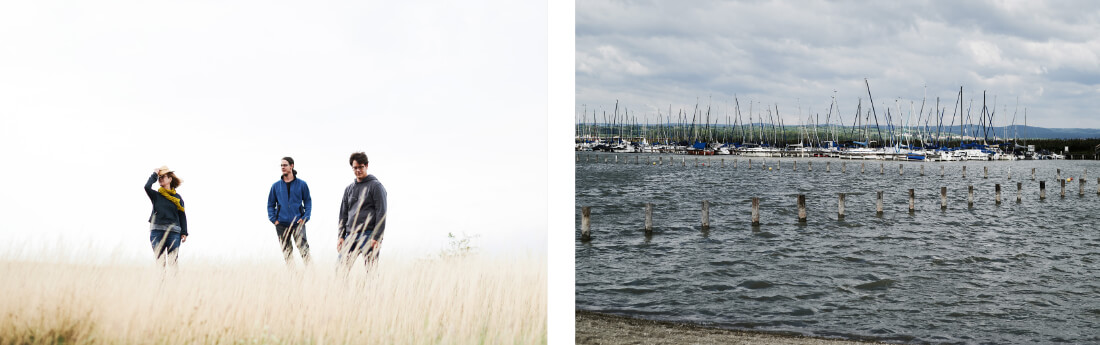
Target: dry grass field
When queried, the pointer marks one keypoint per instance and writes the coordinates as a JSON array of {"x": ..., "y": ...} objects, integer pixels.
[{"x": 463, "y": 300}]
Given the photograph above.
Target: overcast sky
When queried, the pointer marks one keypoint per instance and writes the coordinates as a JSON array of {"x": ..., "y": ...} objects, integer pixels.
[
  {"x": 448, "y": 99},
  {"x": 653, "y": 54}
]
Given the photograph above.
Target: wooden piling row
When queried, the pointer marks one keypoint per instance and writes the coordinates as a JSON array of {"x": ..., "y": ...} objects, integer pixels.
[{"x": 586, "y": 211}]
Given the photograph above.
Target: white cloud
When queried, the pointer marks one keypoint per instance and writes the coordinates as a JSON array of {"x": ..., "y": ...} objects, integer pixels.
[{"x": 609, "y": 61}]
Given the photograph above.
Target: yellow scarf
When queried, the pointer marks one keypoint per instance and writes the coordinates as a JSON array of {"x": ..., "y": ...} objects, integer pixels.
[{"x": 174, "y": 200}]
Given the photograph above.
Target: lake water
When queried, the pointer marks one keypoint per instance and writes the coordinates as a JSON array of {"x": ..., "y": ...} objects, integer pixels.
[{"x": 1015, "y": 273}]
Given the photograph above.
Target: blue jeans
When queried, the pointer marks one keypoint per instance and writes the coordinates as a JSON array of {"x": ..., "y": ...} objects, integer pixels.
[
  {"x": 166, "y": 246},
  {"x": 359, "y": 244}
]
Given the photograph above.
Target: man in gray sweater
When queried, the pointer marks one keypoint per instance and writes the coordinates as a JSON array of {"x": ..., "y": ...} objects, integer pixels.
[{"x": 362, "y": 215}]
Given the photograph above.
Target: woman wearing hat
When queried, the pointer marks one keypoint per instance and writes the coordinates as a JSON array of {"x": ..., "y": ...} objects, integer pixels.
[{"x": 168, "y": 222}]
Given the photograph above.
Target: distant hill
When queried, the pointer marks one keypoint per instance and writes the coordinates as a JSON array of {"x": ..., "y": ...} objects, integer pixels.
[
  {"x": 1027, "y": 132},
  {"x": 1054, "y": 133}
]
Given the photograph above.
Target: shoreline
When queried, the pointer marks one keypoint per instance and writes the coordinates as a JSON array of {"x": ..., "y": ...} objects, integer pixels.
[{"x": 599, "y": 328}]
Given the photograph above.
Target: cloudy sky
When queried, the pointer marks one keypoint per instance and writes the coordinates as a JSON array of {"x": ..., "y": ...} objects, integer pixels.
[
  {"x": 653, "y": 54},
  {"x": 448, "y": 100}
]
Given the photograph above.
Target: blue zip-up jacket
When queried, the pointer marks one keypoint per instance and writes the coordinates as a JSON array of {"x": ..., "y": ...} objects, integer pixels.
[{"x": 287, "y": 206}]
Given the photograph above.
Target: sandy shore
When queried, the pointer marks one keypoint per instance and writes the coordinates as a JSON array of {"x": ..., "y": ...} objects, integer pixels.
[{"x": 596, "y": 328}]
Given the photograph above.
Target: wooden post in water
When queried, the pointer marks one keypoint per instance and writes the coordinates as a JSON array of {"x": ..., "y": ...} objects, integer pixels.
[
  {"x": 683, "y": 162},
  {"x": 941, "y": 171},
  {"x": 723, "y": 162},
  {"x": 912, "y": 201},
  {"x": 1019, "y": 191},
  {"x": 986, "y": 169},
  {"x": 1059, "y": 174},
  {"x": 943, "y": 197},
  {"x": 1063, "y": 187},
  {"x": 696, "y": 161},
  {"x": 755, "y": 211},
  {"x": 1042, "y": 190},
  {"x": 862, "y": 167},
  {"x": 997, "y": 187},
  {"x": 648, "y": 219},
  {"x": 578, "y": 158},
  {"x": 636, "y": 158},
  {"x": 802, "y": 208},
  {"x": 586, "y": 234},
  {"x": 964, "y": 171},
  {"x": 970, "y": 196},
  {"x": 882, "y": 168},
  {"x": 827, "y": 167},
  {"x": 840, "y": 206},
  {"x": 616, "y": 158},
  {"x": 878, "y": 204},
  {"x": 899, "y": 169},
  {"x": 922, "y": 170},
  {"x": 735, "y": 163},
  {"x": 843, "y": 167},
  {"x": 794, "y": 167},
  {"x": 1033, "y": 174},
  {"x": 811, "y": 168},
  {"x": 1010, "y": 173},
  {"x": 706, "y": 214},
  {"x": 750, "y": 163}
]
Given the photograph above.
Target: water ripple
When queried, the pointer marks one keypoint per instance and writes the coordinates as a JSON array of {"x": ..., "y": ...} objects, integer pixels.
[{"x": 1014, "y": 273}]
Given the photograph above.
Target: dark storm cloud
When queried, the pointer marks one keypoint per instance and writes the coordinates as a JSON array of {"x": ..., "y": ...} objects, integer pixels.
[{"x": 652, "y": 54}]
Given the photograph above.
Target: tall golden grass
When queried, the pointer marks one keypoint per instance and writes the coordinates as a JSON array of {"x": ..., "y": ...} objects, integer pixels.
[{"x": 457, "y": 300}]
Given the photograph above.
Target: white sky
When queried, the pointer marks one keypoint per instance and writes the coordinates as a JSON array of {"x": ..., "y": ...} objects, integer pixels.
[
  {"x": 448, "y": 99},
  {"x": 653, "y": 54}
]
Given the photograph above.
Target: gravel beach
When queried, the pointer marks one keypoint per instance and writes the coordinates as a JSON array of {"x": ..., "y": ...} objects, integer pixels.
[{"x": 596, "y": 328}]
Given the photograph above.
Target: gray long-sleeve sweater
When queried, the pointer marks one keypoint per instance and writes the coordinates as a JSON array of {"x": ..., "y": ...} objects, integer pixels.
[{"x": 362, "y": 200}]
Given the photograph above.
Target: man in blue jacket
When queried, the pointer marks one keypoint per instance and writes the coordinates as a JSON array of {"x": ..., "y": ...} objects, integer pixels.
[{"x": 288, "y": 207}]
